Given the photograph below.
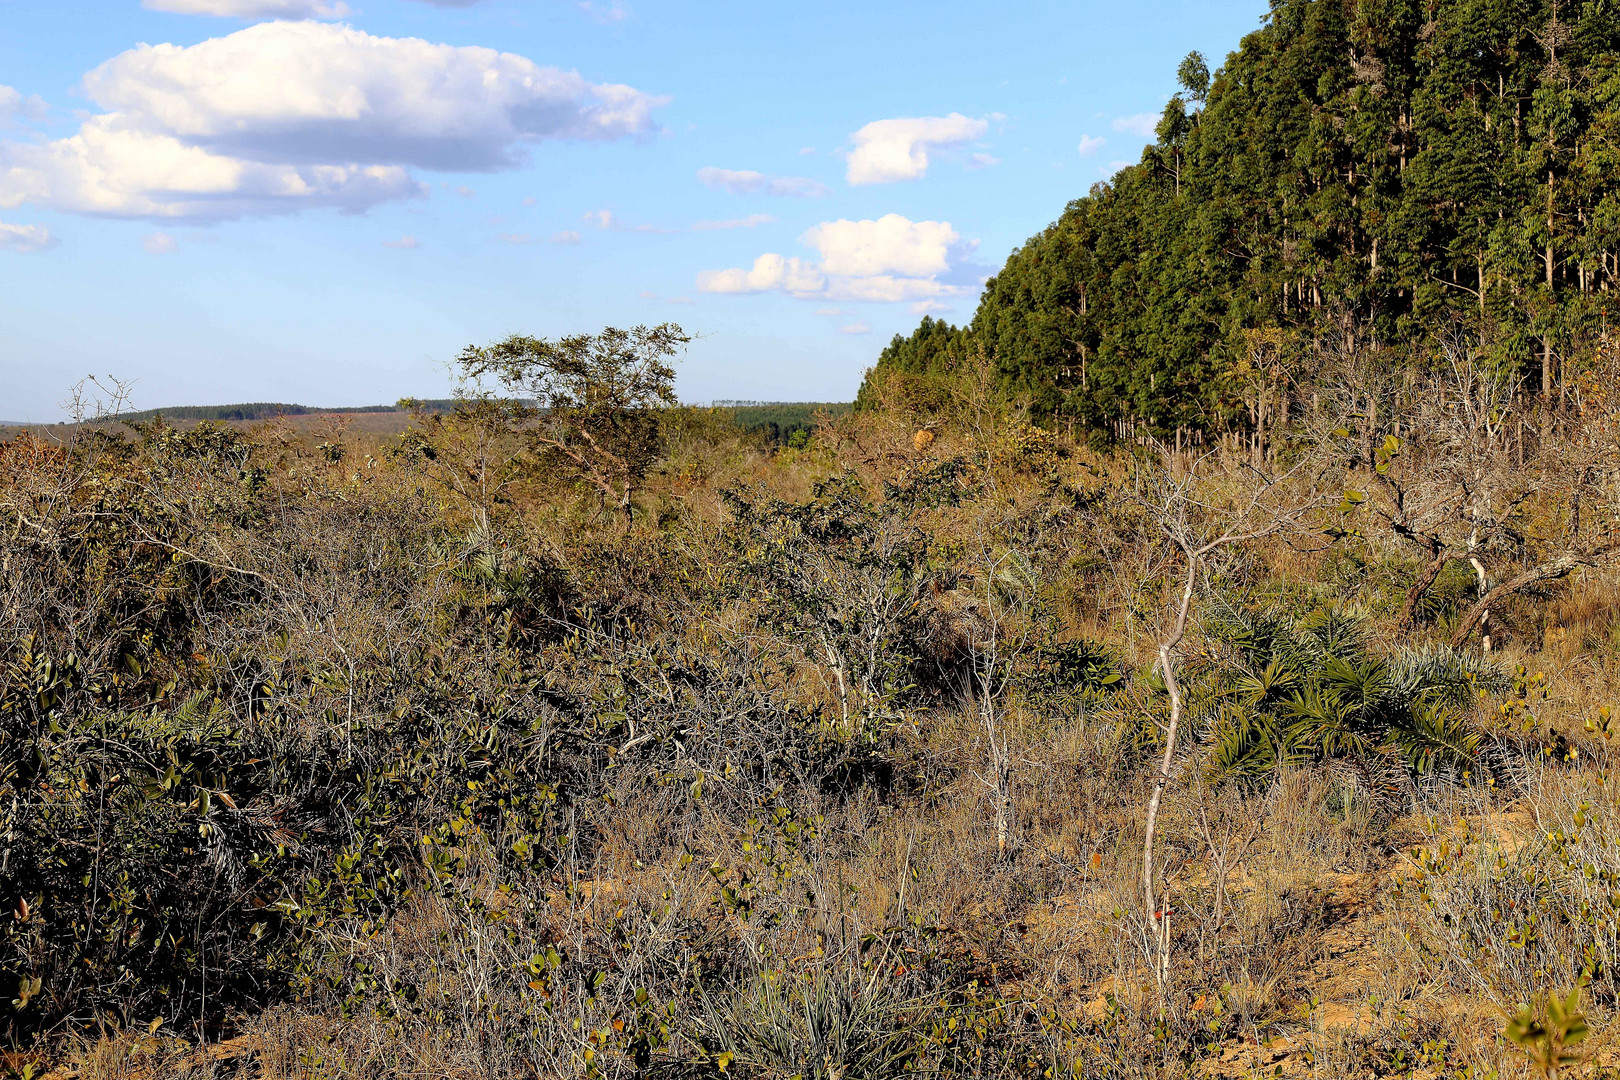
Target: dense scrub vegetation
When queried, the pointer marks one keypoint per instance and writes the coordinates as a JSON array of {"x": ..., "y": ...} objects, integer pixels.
[
  {"x": 1391, "y": 170},
  {"x": 600, "y": 738}
]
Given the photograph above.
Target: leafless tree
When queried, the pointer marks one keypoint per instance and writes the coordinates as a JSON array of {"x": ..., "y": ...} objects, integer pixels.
[
  {"x": 1200, "y": 509},
  {"x": 1448, "y": 468},
  {"x": 996, "y": 630}
]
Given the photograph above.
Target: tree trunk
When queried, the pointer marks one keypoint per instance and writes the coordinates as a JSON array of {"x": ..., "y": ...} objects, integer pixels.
[
  {"x": 1157, "y": 925},
  {"x": 1420, "y": 588},
  {"x": 1547, "y": 571},
  {"x": 1485, "y": 616}
]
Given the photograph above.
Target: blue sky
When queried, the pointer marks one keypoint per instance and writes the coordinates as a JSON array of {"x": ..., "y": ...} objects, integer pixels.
[{"x": 322, "y": 202}]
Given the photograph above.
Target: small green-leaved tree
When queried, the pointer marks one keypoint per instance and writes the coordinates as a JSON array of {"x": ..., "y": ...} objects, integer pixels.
[{"x": 596, "y": 399}]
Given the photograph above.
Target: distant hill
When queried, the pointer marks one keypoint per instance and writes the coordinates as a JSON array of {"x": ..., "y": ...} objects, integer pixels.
[
  {"x": 777, "y": 421},
  {"x": 269, "y": 410}
]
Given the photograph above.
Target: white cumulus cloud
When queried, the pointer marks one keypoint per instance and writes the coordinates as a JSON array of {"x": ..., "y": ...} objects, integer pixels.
[
  {"x": 109, "y": 169},
  {"x": 890, "y": 245},
  {"x": 889, "y": 150},
  {"x": 1142, "y": 124},
  {"x": 749, "y": 182},
  {"x": 286, "y": 115},
  {"x": 305, "y": 92},
  {"x": 1090, "y": 144},
  {"x": 25, "y": 239},
  {"x": 769, "y": 272},
  {"x": 12, "y": 104},
  {"x": 889, "y": 260}
]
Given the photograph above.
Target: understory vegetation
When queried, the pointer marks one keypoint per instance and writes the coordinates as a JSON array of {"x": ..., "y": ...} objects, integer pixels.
[{"x": 578, "y": 733}]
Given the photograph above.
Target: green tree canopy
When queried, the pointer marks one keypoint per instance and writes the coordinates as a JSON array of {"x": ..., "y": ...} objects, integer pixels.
[
  {"x": 1386, "y": 168},
  {"x": 597, "y": 398}
]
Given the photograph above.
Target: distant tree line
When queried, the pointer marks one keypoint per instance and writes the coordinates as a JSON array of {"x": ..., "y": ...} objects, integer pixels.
[
  {"x": 1382, "y": 170},
  {"x": 269, "y": 410},
  {"x": 778, "y": 422},
  {"x": 782, "y": 423}
]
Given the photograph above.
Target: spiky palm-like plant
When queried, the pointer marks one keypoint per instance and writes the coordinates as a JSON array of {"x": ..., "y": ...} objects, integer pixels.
[{"x": 1311, "y": 689}]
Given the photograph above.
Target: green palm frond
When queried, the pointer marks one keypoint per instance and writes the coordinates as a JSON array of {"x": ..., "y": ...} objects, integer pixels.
[
  {"x": 1433, "y": 738},
  {"x": 1260, "y": 636},
  {"x": 1270, "y": 686},
  {"x": 1362, "y": 685},
  {"x": 1243, "y": 744},
  {"x": 1335, "y": 631},
  {"x": 1312, "y": 689},
  {"x": 1322, "y": 722}
]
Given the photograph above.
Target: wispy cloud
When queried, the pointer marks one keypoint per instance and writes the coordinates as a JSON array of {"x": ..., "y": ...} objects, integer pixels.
[
  {"x": 608, "y": 220},
  {"x": 404, "y": 243},
  {"x": 648, "y": 294},
  {"x": 860, "y": 327},
  {"x": 606, "y": 12},
  {"x": 567, "y": 236},
  {"x": 159, "y": 243},
  {"x": 253, "y": 9},
  {"x": 749, "y": 182},
  {"x": 13, "y": 104},
  {"x": 1090, "y": 144},
  {"x": 1142, "y": 124},
  {"x": 25, "y": 239},
  {"x": 752, "y": 221}
]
